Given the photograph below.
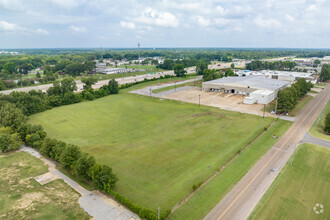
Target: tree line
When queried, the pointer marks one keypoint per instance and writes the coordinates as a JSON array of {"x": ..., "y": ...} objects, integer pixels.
[
  {"x": 15, "y": 130},
  {"x": 325, "y": 73},
  {"x": 265, "y": 65},
  {"x": 288, "y": 97}
]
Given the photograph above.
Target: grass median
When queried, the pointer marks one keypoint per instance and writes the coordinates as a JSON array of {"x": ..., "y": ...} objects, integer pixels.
[{"x": 299, "y": 187}]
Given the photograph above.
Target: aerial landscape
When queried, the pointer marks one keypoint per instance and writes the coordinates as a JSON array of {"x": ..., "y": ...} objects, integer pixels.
[{"x": 183, "y": 110}]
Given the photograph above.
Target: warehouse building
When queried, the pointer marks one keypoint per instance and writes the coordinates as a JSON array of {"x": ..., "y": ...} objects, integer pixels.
[{"x": 259, "y": 88}]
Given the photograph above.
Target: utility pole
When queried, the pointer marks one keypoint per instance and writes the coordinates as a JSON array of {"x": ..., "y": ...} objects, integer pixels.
[
  {"x": 276, "y": 106},
  {"x": 264, "y": 110},
  {"x": 294, "y": 153},
  {"x": 175, "y": 86},
  {"x": 158, "y": 212},
  {"x": 150, "y": 92},
  {"x": 199, "y": 100},
  {"x": 139, "y": 55}
]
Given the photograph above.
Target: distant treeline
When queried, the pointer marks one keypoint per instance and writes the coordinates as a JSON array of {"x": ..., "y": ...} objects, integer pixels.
[{"x": 276, "y": 65}]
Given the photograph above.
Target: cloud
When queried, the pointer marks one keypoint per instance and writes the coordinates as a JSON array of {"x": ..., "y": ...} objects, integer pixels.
[
  {"x": 267, "y": 23},
  {"x": 202, "y": 21},
  {"x": 42, "y": 31},
  {"x": 290, "y": 18},
  {"x": 220, "y": 10},
  {"x": 129, "y": 25},
  {"x": 68, "y": 4},
  {"x": 158, "y": 18},
  {"x": 76, "y": 29},
  {"x": 15, "y": 28},
  {"x": 13, "y": 5}
]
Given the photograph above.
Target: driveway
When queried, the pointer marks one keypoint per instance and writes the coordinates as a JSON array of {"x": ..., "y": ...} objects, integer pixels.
[
  {"x": 313, "y": 140},
  {"x": 94, "y": 203}
]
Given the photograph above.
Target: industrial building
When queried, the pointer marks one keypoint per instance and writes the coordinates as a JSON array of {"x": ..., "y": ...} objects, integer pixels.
[
  {"x": 280, "y": 75},
  {"x": 260, "y": 88}
]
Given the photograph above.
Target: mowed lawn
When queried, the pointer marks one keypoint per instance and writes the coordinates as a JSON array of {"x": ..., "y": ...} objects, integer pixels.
[
  {"x": 22, "y": 197},
  {"x": 318, "y": 126},
  {"x": 301, "y": 186},
  {"x": 158, "y": 148}
]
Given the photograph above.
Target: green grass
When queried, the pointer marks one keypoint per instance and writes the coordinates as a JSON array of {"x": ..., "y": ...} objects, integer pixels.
[
  {"x": 301, "y": 103},
  {"x": 136, "y": 66},
  {"x": 21, "y": 197},
  {"x": 317, "y": 128},
  {"x": 204, "y": 200},
  {"x": 313, "y": 91},
  {"x": 299, "y": 187},
  {"x": 158, "y": 148},
  {"x": 197, "y": 84}
]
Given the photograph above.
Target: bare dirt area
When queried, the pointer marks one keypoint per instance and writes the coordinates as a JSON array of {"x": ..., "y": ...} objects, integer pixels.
[{"x": 227, "y": 101}]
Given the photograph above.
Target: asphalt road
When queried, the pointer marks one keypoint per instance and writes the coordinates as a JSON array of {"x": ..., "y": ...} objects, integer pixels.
[
  {"x": 245, "y": 195},
  {"x": 313, "y": 140},
  {"x": 121, "y": 81}
]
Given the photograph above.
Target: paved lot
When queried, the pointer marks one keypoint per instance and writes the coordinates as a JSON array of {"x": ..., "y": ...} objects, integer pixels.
[
  {"x": 242, "y": 199},
  {"x": 227, "y": 101},
  {"x": 94, "y": 203}
]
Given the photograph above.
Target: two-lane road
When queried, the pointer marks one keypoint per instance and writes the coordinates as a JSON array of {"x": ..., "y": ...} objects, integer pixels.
[{"x": 242, "y": 199}]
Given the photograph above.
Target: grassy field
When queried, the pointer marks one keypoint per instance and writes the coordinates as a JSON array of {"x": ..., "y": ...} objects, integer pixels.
[
  {"x": 158, "y": 148},
  {"x": 317, "y": 128},
  {"x": 301, "y": 103},
  {"x": 196, "y": 83},
  {"x": 21, "y": 197},
  {"x": 204, "y": 200},
  {"x": 299, "y": 187}
]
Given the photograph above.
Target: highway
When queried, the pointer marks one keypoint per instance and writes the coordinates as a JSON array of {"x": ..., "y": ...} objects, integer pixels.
[{"x": 245, "y": 195}]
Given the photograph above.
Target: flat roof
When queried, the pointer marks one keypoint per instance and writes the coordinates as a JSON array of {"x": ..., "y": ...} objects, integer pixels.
[
  {"x": 262, "y": 92},
  {"x": 257, "y": 82}
]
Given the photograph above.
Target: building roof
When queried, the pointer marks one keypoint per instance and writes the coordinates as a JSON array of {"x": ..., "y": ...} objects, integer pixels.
[
  {"x": 262, "y": 92},
  {"x": 257, "y": 82}
]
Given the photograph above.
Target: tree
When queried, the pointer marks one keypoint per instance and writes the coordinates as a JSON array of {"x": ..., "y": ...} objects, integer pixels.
[
  {"x": 69, "y": 156},
  {"x": 325, "y": 73},
  {"x": 74, "y": 69},
  {"x": 179, "y": 70},
  {"x": 201, "y": 66},
  {"x": 327, "y": 123},
  {"x": 84, "y": 165},
  {"x": 113, "y": 86},
  {"x": 88, "y": 81},
  {"x": 230, "y": 72},
  {"x": 232, "y": 65},
  {"x": 10, "y": 116},
  {"x": 10, "y": 67},
  {"x": 102, "y": 177},
  {"x": 209, "y": 75}
]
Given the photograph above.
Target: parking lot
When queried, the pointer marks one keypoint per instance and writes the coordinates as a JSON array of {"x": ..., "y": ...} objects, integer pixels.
[{"x": 227, "y": 101}]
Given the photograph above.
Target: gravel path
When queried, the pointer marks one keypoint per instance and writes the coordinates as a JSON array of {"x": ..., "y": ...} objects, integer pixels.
[
  {"x": 94, "y": 203},
  {"x": 313, "y": 140},
  {"x": 146, "y": 91}
]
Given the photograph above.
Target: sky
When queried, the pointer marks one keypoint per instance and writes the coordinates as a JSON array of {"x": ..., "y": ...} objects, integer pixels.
[{"x": 164, "y": 23}]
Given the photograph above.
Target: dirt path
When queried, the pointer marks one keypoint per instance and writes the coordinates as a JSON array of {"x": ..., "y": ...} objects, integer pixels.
[
  {"x": 94, "y": 203},
  {"x": 245, "y": 195}
]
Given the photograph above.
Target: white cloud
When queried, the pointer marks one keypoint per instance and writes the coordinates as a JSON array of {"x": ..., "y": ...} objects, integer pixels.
[
  {"x": 13, "y": 5},
  {"x": 290, "y": 18},
  {"x": 267, "y": 23},
  {"x": 10, "y": 27},
  {"x": 76, "y": 29},
  {"x": 15, "y": 28},
  {"x": 68, "y": 4},
  {"x": 129, "y": 25},
  {"x": 158, "y": 18},
  {"x": 42, "y": 31},
  {"x": 220, "y": 10},
  {"x": 202, "y": 21}
]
